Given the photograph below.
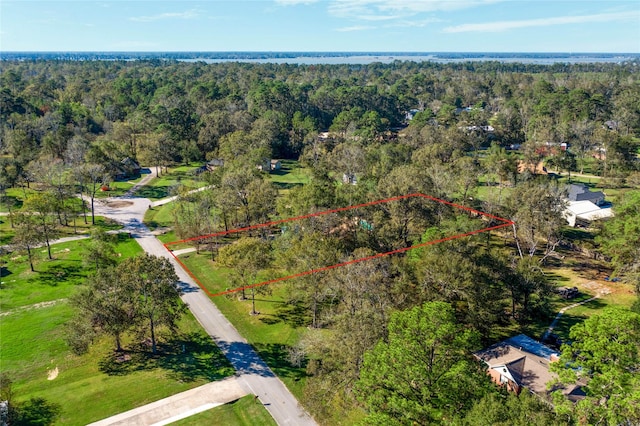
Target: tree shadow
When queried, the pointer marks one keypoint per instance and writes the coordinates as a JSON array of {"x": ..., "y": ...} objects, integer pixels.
[
  {"x": 277, "y": 357},
  {"x": 286, "y": 185},
  {"x": 57, "y": 273},
  {"x": 244, "y": 358},
  {"x": 152, "y": 192},
  {"x": 187, "y": 288},
  {"x": 35, "y": 411},
  {"x": 293, "y": 313},
  {"x": 4, "y": 272},
  {"x": 269, "y": 319},
  {"x": 186, "y": 358}
]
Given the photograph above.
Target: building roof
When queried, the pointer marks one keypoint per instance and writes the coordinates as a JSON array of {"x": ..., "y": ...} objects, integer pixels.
[
  {"x": 578, "y": 208},
  {"x": 523, "y": 359},
  {"x": 580, "y": 192},
  {"x": 586, "y": 210}
]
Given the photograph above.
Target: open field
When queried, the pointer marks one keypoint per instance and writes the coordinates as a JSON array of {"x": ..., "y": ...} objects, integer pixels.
[
  {"x": 289, "y": 176},
  {"x": 164, "y": 185},
  {"x": 96, "y": 385},
  {"x": 54, "y": 279},
  {"x": 100, "y": 384},
  {"x": 243, "y": 412},
  {"x": 119, "y": 188}
]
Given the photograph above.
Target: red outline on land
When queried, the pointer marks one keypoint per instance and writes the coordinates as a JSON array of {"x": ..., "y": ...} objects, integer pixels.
[{"x": 505, "y": 223}]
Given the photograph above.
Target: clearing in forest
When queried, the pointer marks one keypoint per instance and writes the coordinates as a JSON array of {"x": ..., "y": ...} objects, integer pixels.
[{"x": 361, "y": 218}]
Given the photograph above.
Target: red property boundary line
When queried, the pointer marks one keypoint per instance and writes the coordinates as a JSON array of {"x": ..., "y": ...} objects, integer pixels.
[{"x": 505, "y": 223}]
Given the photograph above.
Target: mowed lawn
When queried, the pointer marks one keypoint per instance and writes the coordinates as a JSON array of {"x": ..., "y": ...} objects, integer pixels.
[
  {"x": 53, "y": 279},
  {"x": 96, "y": 385},
  {"x": 289, "y": 176},
  {"x": 243, "y": 412},
  {"x": 164, "y": 185}
]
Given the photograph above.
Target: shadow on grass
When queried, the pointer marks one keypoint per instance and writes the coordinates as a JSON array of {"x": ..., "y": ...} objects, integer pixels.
[
  {"x": 286, "y": 185},
  {"x": 4, "y": 272},
  {"x": 59, "y": 273},
  {"x": 188, "y": 358},
  {"x": 552, "y": 276},
  {"x": 153, "y": 192},
  {"x": 276, "y": 356},
  {"x": 294, "y": 313}
]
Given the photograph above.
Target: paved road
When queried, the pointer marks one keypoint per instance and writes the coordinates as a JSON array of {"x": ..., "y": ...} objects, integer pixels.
[{"x": 254, "y": 376}]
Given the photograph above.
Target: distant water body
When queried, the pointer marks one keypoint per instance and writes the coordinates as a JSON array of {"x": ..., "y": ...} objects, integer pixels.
[
  {"x": 330, "y": 58},
  {"x": 386, "y": 59}
]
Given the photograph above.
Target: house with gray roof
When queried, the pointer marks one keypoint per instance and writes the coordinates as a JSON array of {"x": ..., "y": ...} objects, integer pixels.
[{"x": 581, "y": 192}]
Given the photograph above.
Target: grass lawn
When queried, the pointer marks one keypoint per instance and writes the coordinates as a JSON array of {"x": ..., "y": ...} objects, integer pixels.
[
  {"x": 243, "y": 412},
  {"x": 159, "y": 217},
  {"x": 278, "y": 327},
  {"x": 13, "y": 198},
  {"x": 290, "y": 175},
  {"x": 7, "y": 232},
  {"x": 162, "y": 186},
  {"x": 589, "y": 281},
  {"x": 54, "y": 279},
  {"x": 98, "y": 385},
  {"x": 95, "y": 385},
  {"x": 117, "y": 188}
]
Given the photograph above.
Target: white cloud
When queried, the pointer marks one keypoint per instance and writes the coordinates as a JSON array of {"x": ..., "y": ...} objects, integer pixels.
[
  {"x": 356, "y": 28},
  {"x": 380, "y": 17},
  {"x": 188, "y": 14},
  {"x": 499, "y": 26},
  {"x": 418, "y": 23},
  {"x": 294, "y": 2},
  {"x": 359, "y": 8}
]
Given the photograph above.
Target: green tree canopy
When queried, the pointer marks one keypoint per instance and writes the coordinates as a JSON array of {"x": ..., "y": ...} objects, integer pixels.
[
  {"x": 620, "y": 238},
  {"x": 423, "y": 372},
  {"x": 605, "y": 351}
]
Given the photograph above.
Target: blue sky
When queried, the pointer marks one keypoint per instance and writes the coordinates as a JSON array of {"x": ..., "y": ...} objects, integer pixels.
[{"x": 322, "y": 25}]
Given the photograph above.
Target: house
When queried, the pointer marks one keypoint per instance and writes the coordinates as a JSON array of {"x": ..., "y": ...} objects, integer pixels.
[
  {"x": 582, "y": 213},
  {"x": 126, "y": 169},
  {"x": 269, "y": 165},
  {"x": 581, "y": 192},
  {"x": 519, "y": 362},
  {"x": 214, "y": 163},
  {"x": 349, "y": 178}
]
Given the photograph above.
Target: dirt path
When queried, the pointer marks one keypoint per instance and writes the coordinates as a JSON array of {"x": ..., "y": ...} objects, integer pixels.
[
  {"x": 602, "y": 291},
  {"x": 34, "y": 306}
]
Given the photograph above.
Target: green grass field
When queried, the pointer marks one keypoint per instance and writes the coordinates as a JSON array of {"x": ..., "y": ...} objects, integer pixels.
[
  {"x": 95, "y": 385},
  {"x": 98, "y": 385},
  {"x": 243, "y": 412},
  {"x": 13, "y": 198},
  {"x": 53, "y": 279},
  {"x": 164, "y": 185},
  {"x": 289, "y": 176}
]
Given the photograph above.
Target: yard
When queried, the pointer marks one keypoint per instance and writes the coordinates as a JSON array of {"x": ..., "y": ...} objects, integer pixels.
[{"x": 99, "y": 384}]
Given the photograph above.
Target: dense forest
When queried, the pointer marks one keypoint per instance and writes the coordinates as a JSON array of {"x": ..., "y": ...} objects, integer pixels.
[{"x": 472, "y": 133}]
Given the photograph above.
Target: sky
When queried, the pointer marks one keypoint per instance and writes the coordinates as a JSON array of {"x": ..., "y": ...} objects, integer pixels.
[{"x": 322, "y": 25}]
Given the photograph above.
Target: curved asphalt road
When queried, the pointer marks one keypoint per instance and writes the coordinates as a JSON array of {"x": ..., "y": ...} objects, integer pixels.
[{"x": 253, "y": 374}]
